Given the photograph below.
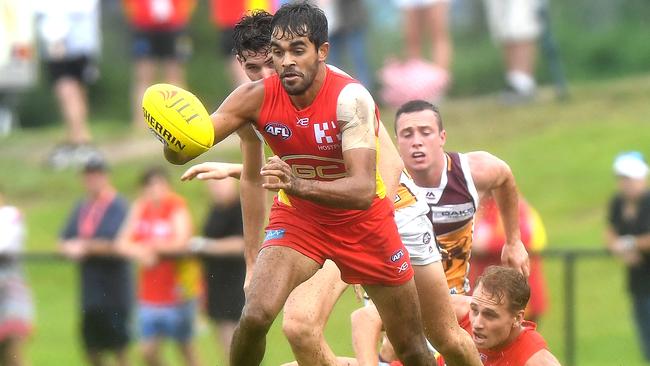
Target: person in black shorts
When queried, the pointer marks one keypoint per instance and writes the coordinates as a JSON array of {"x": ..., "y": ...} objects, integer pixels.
[
  {"x": 160, "y": 44},
  {"x": 222, "y": 250},
  {"x": 70, "y": 45},
  {"x": 106, "y": 293}
]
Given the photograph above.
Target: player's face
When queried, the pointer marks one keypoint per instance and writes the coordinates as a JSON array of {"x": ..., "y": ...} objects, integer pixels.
[
  {"x": 419, "y": 140},
  {"x": 256, "y": 65},
  {"x": 296, "y": 60},
  {"x": 492, "y": 321}
]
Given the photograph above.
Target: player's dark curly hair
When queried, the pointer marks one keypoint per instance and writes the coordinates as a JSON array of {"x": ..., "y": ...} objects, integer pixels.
[
  {"x": 300, "y": 19},
  {"x": 418, "y": 105},
  {"x": 252, "y": 33}
]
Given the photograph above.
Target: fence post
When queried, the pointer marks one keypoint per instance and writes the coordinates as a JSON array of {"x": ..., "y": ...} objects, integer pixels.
[{"x": 569, "y": 307}]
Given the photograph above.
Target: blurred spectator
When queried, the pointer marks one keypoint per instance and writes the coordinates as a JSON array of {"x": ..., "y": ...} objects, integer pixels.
[
  {"x": 515, "y": 26},
  {"x": 70, "y": 41},
  {"x": 417, "y": 15},
  {"x": 416, "y": 78},
  {"x": 224, "y": 268},
  {"x": 106, "y": 292},
  {"x": 18, "y": 59},
  {"x": 348, "y": 23},
  {"x": 628, "y": 235},
  {"x": 227, "y": 13},
  {"x": 159, "y": 225},
  {"x": 489, "y": 239},
  {"x": 16, "y": 308},
  {"x": 160, "y": 43}
]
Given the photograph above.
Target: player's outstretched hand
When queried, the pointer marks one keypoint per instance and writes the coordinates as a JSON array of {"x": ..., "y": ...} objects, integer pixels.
[
  {"x": 279, "y": 174},
  {"x": 211, "y": 170},
  {"x": 516, "y": 256}
]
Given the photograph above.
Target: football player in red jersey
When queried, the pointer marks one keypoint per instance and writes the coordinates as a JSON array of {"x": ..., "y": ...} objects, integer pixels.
[
  {"x": 498, "y": 327},
  {"x": 332, "y": 202},
  {"x": 494, "y": 316},
  {"x": 307, "y": 309}
]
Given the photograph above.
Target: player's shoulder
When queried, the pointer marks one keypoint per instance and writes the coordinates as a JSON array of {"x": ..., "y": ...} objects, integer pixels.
[
  {"x": 355, "y": 93},
  {"x": 532, "y": 336},
  {"x": 246, "y": 99},
  {"x": 253, "y": 88},
  {"x": 530, "y": 342},
  {"x": 338, "y": 73},
  {"x": 543, "y": 357},
  {"x": 478, "y": 157},
  {"x": 480, "y": 161}
]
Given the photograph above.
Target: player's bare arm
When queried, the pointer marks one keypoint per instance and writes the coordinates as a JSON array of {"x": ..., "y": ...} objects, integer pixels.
[
  {"x": 493, "y": 175},
  {"x": 357, "y": 123},
  {"x": 366, "y": 334},
  {"x": 238, "y": 109},
  {"x": 252, "y": 194},
  {"x": 212, "y": 170},
  {"x": 542, "y": 358},
  {"x": 390, "y": 163}
]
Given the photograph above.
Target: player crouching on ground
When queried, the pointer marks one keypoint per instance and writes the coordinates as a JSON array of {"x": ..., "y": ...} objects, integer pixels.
[{"x": 493, "y": 316}]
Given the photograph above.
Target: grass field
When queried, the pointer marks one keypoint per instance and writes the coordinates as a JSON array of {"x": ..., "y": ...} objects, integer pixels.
[{"x": 561, "y": 154}]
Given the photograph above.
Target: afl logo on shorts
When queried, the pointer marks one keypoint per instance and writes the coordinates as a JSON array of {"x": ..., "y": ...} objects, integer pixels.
[
  {"x": 397, "y": 256},
  {"x": 426, "y": 238},
  {"x": 277, "y": 130}
]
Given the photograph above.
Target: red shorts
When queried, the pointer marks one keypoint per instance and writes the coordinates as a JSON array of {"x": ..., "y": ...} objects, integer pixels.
[{"x": 368, "y": 251}]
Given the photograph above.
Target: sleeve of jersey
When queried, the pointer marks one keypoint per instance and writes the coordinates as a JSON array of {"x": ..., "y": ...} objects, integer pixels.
[{"x": 355, "y": 111}]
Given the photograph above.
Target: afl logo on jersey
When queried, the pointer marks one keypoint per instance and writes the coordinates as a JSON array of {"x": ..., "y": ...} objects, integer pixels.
[{"x": 278, "y": 130}]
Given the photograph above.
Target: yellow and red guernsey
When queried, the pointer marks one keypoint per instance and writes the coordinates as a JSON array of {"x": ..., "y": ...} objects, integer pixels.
[{"x": 310, "y": 141}]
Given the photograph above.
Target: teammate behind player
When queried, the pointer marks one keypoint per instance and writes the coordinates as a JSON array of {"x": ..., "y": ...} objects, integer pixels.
[
  {"x": 309, "y": 305},
  {"x": 251, "y": 41},
  {"x": 333, "y": 164}
]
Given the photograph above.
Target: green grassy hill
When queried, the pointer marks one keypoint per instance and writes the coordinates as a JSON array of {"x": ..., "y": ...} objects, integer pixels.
[{"x": 561, "y": 154}]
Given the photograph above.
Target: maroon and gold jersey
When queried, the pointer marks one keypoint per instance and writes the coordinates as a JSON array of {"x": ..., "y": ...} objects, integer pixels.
[
  {"x": 309, "y": 140},
  {"x": 453, "y": 205}
]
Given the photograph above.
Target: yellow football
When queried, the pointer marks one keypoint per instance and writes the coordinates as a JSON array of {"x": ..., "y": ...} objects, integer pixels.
[{"x": 178, "y": 119}]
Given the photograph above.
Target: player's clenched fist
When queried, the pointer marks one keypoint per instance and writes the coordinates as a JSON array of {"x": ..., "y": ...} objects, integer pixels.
[{"x": 281, "y": 171}]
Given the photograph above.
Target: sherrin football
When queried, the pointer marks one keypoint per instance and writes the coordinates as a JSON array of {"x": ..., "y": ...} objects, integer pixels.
[{"x": 178, "y": 119}]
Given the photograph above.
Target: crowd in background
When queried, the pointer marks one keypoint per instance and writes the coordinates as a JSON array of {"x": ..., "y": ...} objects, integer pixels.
[
  {"x": 69, "y": 43},
  {"x": 177, "y": 271}
]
